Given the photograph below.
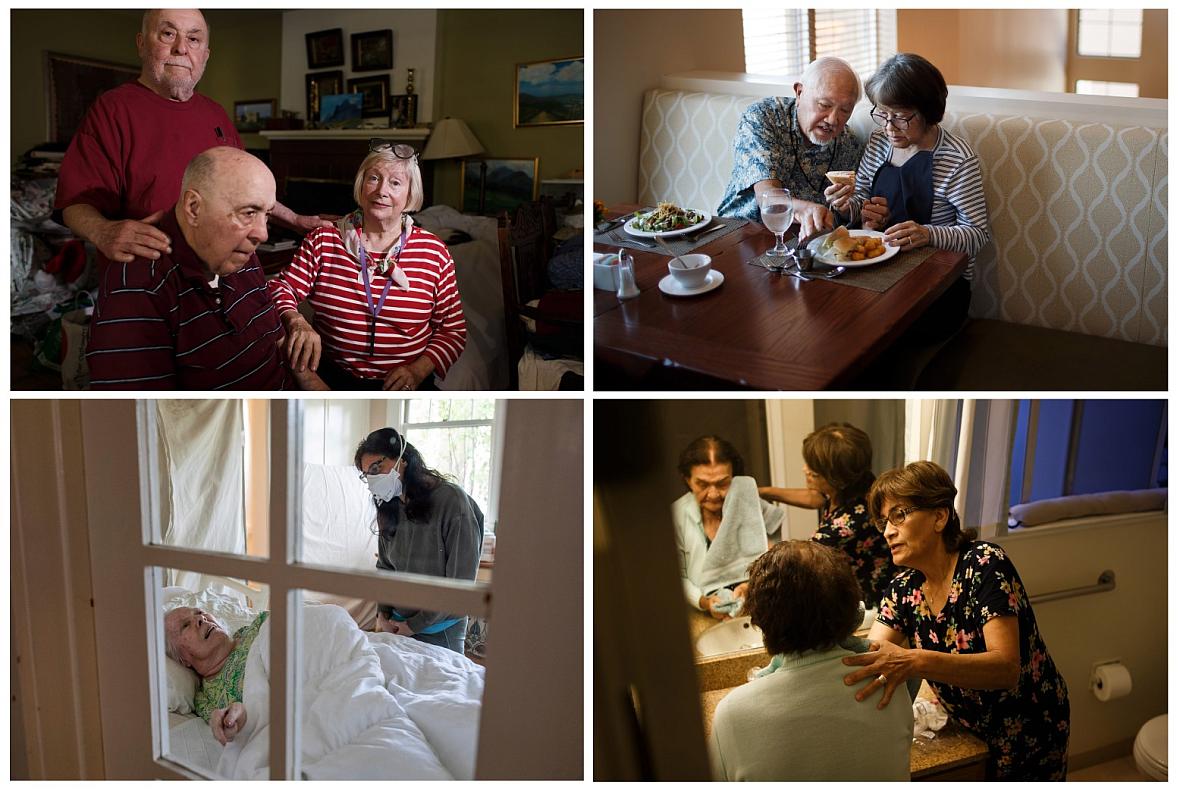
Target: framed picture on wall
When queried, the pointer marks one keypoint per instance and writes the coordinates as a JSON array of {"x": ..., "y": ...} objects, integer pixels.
[
  {"x": 549, "y": 92},
  {"x": 72, "y": 84},
  {"x": 325, "y": 48},
  {"x": 321, "y": 84},
  {"x": 404, "y": 110},
  {"x": 491, "y": 185},
  {"x": 375, "y": 91},
  {"x": 251, "y": 115},
  {"x": 372, "y": 51}
]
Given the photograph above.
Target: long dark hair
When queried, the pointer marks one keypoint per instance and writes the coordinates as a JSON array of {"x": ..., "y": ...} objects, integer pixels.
[{"x": 419, "y": 481}]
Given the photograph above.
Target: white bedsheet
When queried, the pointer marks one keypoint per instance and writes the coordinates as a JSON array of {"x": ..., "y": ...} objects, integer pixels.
[
  {"x": 375, "y": 706},
  {"x": 483, "y": 365}
]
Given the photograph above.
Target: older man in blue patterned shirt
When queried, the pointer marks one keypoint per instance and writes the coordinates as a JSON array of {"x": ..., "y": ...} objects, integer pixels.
[{"x": 794, "y": 142}]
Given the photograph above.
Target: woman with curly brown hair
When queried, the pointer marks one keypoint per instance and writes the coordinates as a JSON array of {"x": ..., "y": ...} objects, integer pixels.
[
  {"x": 958, "y": 616},
  {"x": 796, "y": 721},
  {"x": 838, "y": 460}
]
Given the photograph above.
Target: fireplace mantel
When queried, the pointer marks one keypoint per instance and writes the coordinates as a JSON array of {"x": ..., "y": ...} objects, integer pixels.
[{"x": 416, "y": 134}]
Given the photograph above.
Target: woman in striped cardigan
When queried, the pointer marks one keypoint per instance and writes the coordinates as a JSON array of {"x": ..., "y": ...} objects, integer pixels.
[{"x": 917, "y": 182}]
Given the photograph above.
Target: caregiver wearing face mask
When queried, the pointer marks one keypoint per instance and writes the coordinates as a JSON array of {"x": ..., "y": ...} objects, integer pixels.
[{"x": 427, "y": 525}]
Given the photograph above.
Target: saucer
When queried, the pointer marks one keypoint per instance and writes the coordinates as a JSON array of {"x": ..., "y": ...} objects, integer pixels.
[{"x": 668, "y": 285}]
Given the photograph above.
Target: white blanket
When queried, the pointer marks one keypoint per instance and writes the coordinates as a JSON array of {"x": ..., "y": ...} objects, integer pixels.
[{"x": 375, "y": 706}]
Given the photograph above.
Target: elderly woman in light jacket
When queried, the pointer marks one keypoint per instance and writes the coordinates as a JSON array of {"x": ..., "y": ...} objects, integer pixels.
[{"x": 721, "y": 526}]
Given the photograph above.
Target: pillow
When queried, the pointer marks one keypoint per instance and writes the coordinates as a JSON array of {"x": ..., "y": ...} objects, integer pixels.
[{"x": 182, "y": 686}]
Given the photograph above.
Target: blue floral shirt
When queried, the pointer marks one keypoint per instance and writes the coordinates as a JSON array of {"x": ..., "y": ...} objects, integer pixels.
[{"x": 769, "y": 145}]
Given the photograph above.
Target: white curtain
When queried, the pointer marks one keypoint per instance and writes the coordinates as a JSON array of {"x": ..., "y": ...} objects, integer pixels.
[{"x": 201, "y": 451}]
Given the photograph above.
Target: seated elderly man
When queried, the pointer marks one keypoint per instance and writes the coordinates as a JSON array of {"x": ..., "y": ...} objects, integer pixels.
[
  {"x": 794, "y": 142},
  {"x": 196, "y": 640},
  {"x": 199, "y": 317}
]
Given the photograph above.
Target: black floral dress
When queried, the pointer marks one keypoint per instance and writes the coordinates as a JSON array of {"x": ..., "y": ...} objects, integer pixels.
[
  {"x": 1027, "y": 728},
  {"x": 848, "y": 529}
]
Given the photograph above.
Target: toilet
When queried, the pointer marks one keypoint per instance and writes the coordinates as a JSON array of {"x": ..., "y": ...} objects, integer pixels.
[{"x": 1151, "y": 748}]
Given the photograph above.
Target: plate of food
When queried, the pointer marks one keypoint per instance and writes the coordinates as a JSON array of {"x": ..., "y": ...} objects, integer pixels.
[
  {"x": 851, "y": 248},
  {"x": 667, "y": 219}
]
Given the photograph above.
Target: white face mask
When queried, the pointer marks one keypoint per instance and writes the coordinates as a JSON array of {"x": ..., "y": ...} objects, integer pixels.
[{"x": 387, "y": 486}]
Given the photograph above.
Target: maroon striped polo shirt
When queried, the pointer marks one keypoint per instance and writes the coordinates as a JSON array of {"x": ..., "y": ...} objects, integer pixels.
[{"x": 159, "y": 324}]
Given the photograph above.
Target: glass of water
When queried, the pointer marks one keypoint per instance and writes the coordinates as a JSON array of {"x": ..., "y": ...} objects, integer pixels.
[{"x": 775, "y": 205}]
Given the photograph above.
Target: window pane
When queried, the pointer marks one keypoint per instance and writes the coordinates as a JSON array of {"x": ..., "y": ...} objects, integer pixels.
[
  {"x": 1106, "y": 34},
  {"x": 214, "y": 624},
  {"x": 464, "y": 453},
  {"x": 1125, "y": 41},
  {"x": 379, "y": 705},
  {"x": 1052, "y": 449},
  {"x": 1116, "y": 445},
  {"x": 210, "y": 460},
  {"x": 1099, "y": 88},
  {"x": 775, "y": 41}
]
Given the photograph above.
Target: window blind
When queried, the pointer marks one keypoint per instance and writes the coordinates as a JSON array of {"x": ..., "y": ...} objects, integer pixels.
[{"x": 785, "y": 41}]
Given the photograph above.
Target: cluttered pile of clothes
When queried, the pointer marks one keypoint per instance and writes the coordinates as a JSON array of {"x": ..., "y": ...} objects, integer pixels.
[{"x": 53, "y": 281}]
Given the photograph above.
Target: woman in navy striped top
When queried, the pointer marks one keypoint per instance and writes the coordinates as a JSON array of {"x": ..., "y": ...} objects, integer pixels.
[
  {"x": 917, "y": 182},
  {"x": 387, "y": 309}
]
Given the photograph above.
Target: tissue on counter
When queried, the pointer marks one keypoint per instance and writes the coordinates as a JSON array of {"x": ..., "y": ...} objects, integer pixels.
[{"x": 929, "y": 717}]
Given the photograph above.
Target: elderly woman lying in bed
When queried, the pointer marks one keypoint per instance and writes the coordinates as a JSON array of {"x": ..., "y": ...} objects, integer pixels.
[
  {"x": 372, "y": 705},
  {"x": 196, "y": 640}
]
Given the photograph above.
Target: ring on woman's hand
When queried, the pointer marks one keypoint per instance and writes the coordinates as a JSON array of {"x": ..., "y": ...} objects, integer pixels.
[
  {"x": 884, "y": 680},
  {"x": 405, "y": 387}
]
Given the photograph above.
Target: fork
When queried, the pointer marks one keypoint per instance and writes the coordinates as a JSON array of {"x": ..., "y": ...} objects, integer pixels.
[{"x": 630, "y": 241}]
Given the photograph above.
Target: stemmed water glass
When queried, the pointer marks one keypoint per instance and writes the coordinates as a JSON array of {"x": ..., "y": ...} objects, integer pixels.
[{"x": 775, "y": 205}]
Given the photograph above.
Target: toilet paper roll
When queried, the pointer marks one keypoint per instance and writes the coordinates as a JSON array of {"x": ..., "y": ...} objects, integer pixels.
[{"x": 1111, "y": 681}]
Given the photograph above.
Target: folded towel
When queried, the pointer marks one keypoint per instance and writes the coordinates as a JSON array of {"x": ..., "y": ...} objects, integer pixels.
[
  {"x": 741, "y": 538},
  {"x": 1069, "y": 507}
]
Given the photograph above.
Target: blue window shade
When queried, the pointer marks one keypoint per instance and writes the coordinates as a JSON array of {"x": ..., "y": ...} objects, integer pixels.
[
  {"x": 1117, "y": 445},
  {"x": 1052, "y": 450}
]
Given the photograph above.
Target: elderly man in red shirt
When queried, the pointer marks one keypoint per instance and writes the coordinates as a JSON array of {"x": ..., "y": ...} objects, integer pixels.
[
  {"x": 123, "y": 167},
  {"x": 199, "y": 317}
]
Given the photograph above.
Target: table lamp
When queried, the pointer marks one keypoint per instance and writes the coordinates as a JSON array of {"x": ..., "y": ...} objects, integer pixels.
[{"x": 452, "y": 138}]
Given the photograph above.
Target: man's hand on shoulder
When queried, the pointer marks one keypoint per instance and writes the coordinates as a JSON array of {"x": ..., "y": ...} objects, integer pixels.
[{"x": 119, "y": 240}]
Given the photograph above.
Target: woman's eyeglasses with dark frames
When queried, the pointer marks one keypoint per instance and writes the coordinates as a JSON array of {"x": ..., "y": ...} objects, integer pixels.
[
  {"x": 374, "y": 470},
  {"x": 400, "y": 150},
  {"x": 896, "y": 517},
  {"x": 899, "y": 122}
]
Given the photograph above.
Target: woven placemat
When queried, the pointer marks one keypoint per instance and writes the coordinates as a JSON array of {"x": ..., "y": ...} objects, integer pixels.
[
  {"x": 617, "y": 238},
  {"x": 877, "y": 278}
]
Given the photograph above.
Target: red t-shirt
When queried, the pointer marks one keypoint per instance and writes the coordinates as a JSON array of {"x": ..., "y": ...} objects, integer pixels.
[{"x": 128, "y": 157}]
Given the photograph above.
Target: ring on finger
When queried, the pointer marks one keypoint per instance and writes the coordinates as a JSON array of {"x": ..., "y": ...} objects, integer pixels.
[{"x": 884, "y": 680}]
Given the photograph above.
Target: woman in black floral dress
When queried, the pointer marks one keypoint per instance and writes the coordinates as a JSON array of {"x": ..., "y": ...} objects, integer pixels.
[
  {"x": 970, "y": 630},
  {"x": 838, "y": 465}
]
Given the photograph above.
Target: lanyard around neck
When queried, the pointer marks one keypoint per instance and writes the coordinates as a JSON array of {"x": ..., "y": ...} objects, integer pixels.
[{"x": 375, "y": 309}]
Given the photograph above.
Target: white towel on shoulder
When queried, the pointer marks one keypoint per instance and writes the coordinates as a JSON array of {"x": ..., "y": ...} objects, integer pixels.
[{"x": 740, "y": 539}]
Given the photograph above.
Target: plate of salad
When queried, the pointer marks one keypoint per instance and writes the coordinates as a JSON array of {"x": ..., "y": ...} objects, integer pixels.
[{"x": 667, "y": 219}]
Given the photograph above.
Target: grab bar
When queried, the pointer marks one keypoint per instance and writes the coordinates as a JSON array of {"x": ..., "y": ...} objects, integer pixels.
[{"x": 1105, "y": 583}]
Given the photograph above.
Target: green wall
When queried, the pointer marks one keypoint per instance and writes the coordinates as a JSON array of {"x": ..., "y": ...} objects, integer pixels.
[
  {"x": 476, "y": 60},
  {"x": 245, "y": 60}
]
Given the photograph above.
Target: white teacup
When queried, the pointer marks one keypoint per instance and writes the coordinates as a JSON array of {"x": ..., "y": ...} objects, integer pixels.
[{"x": 690, "y": 271}]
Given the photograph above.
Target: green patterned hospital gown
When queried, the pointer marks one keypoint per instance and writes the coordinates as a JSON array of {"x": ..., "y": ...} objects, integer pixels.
[{"x": 226, "y": 688}]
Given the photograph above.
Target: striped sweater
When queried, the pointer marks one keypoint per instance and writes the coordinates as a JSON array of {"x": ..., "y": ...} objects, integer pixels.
[
  {"x": 958, "y": 220},
  {"x": 425, "y": 319}
]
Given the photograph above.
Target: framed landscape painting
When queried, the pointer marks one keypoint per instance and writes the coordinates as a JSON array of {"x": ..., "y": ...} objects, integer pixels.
[
  {"x": 492, "y": 185},
  {"x": 550, "y": 92}
]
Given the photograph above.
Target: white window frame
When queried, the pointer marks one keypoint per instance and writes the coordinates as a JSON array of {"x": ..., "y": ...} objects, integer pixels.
[
  {"x": 284, "y": 576},
  {"x": 800, "y": 27},
  {"x": 399, "y": 412}
]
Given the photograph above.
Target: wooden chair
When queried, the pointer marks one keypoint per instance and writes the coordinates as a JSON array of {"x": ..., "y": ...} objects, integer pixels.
[{"x": 526, "y": 245}]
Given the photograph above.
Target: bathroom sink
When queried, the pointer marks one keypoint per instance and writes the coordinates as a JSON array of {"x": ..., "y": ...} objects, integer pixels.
[{"x": 734, "y": 635}]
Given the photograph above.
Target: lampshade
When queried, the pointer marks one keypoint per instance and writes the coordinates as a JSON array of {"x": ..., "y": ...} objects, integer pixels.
[{"x": 451, "y": 138}]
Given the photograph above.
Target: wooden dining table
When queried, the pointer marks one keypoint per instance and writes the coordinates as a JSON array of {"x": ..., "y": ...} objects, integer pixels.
[{"x": 758, "y": 329}]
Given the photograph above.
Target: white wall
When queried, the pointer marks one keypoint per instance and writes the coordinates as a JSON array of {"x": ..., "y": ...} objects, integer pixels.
[
  {"x": 413, "y": 48},
  {"x": 1129, "y": 623},
  {"x": 332, "y": 429}
]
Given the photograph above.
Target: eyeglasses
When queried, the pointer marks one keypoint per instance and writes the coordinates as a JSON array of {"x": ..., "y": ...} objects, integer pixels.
[
  {"x": 374, "y": 470},
  {"x": 896, "y": 517},
  {"x": 899, "y": 122},
  {"x": 400, "y": 150}
]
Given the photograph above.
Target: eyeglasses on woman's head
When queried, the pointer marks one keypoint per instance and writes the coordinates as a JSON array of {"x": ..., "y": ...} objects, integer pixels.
[{"x": 400, "y": 150}]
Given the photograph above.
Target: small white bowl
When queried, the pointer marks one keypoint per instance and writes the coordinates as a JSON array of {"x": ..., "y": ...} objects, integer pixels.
[
  {"x": 691, "y": 270},
  {"x": 606, "y": 272}
]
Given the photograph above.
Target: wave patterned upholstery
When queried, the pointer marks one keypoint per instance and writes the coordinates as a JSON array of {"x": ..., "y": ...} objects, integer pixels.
[{"x": 1078, "y": 209}]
